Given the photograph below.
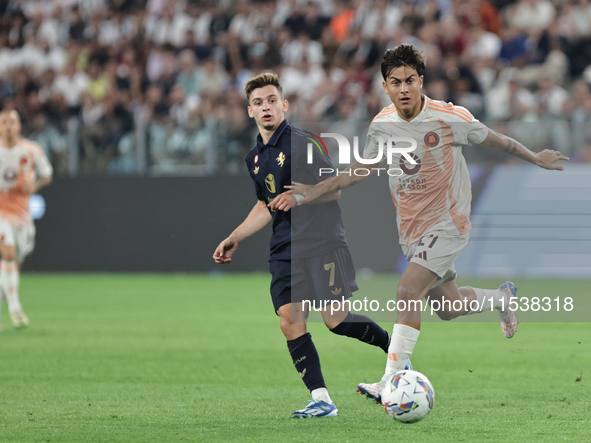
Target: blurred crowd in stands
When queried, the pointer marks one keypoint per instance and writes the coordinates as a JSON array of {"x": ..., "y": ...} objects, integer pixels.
[{"x": 128, "y": 86}]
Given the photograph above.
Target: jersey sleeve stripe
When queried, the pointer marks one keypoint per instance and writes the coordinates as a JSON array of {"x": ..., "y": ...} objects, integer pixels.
[
  {"x": 456, "y": 109},
  {"x": 386, "y": 110},
  {"x": 462, "y": 116},
  {"x": 463, "y": 111},
  {"x": 445, "y": 105},
  {"x": 452, "y": 107},
  {"x": 382, "y": 114}
]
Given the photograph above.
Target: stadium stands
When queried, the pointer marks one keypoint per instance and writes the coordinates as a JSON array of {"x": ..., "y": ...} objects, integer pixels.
[{"x": 136, "y": 86}]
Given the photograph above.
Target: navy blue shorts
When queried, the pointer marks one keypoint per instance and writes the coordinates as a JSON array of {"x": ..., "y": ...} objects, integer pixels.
[{"x": 320, "y": 279}]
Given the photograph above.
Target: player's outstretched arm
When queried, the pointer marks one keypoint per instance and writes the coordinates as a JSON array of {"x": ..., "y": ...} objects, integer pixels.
[
  {"x": 545, "y": 159},
  {"x": 329, "y": 197},
  {"x": 333, "y": 185},
  {"x": 259, "y": 216},
  {"x": 287, "y": 200}
]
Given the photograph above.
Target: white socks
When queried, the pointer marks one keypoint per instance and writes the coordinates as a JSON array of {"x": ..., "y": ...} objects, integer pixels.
[
  {"x": 321, "y": 394},
  {"x": 9, "y": 280},
  {"x": 487, "y": 299},
  {"x": 402, "y": 343}
]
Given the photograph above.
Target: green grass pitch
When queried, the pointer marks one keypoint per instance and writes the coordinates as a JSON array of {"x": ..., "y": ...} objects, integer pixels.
[{"x": 158, "y": 358}]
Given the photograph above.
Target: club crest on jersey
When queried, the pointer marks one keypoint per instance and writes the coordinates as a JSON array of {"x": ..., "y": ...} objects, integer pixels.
[
  {"x": 280, "y": 159},
  {"x": 432, "y": 139},
  {"x": 256, "y": 158},
  {"x": 23, "y": 161},
  {"x": 10, "y": 175},
  {"x": 270, "y": 183}
]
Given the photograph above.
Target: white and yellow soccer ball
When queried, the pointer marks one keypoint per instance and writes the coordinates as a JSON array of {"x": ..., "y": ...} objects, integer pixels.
[{"x": 408, "y": 396}]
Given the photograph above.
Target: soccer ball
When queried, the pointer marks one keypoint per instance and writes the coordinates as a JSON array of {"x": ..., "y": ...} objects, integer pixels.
[{"x": 408, "y": 396}]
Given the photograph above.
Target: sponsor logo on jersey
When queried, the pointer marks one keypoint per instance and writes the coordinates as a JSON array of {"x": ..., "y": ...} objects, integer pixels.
[
  {"x": 413, "y": 183},
  {"x": 337, "y": 291},
  {"x": 256, "y": 170},
  {"x": 270, "y": 183},
  {"x": 413, "y": 169}
]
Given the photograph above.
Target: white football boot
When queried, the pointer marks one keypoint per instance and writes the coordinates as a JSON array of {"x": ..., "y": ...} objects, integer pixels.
[
  {"x": 373, "y": 391},
  {"x": 507, "y": 318}
]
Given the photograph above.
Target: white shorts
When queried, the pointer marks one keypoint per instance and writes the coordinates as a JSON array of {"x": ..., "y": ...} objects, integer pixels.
[
  {"x": 438, "y": 249},
  {"x": 21, "y": 237}
]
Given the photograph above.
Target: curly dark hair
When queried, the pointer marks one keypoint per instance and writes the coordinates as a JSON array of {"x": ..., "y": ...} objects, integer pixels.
[{"x": 403, "y": 55}]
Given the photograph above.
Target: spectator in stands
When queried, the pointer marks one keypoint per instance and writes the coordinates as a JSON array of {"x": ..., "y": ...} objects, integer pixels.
[
  {"x": 551, "y": 96},
  {"x": 509, "y": 100},
  {"x": 213, "y": 78},
  {"x": 189, "y": 77},
  {"x": 101, "y": 139},
  {"x": 98, "y": 81},
  {"x": 71, "y": 83},
  {"x": 182, "y": 107},
  {"x": 531, "y": 16},
  {"x": 342, "y": 20}
]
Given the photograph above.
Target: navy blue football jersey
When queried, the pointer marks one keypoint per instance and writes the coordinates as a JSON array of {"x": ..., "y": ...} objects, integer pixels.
[{"x": 306, "y": 230}]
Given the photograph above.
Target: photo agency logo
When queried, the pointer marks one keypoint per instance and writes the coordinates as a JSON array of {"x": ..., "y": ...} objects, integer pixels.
[{"x": 398, "y": 151}]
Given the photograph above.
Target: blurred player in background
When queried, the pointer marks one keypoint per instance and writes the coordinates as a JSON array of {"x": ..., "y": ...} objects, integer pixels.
[
  {"x": 432, "y": 201},
  {"x": 24, "y": 169},
  {"x": 310, "y": 258}
]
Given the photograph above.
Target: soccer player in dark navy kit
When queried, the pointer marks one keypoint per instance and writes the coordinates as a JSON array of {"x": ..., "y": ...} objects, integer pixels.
[{"x": 309, "y": 259}]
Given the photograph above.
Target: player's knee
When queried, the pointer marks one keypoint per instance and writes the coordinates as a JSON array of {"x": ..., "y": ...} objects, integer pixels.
[
  {"x": 292, "y": 330},
  {"x": 405, "y": 293},
  {"x": 8, "y": 253},
  {"x": 286, "y": 328}
]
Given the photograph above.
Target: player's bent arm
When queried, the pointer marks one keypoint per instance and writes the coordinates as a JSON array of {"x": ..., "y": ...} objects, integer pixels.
[
  {"x": 42, "y": 182},
  {"x": 257, "y": 219},
  {"x": 502, "y": 143}
]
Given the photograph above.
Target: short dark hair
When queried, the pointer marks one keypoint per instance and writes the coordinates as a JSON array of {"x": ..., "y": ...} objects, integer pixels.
[
  {"x": 403, "y": 55},
  {"x": 261, "y": 81}
]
